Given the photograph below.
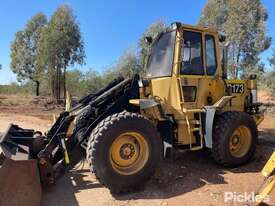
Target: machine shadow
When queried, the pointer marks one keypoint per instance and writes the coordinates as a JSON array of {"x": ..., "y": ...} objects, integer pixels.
[
  {"x": 65, "y": 190},
  {"x": 188, "y": 171},
  {"x": 183, "y": 173}
]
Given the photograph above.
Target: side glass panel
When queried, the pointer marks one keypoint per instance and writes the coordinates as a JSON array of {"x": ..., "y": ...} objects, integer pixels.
[
  {"x": 160, "y": 62},
  {"x": 211, "y": 60},
  {"x": 192, "y": 61}
]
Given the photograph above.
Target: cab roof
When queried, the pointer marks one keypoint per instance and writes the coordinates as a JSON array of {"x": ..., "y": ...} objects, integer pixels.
[{"x": 196, "y": 28}]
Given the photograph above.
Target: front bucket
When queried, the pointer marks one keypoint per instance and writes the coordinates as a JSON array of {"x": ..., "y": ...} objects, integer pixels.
[{"x": 20, "y": 183}]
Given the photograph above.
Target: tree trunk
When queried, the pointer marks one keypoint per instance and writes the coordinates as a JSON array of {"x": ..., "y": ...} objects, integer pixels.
[
  {"x": 237, "y": 67},
  {"x": 64, "y": 84},
  {"x": 58, "y": 75},
  {"x": 37, "y": 88}
]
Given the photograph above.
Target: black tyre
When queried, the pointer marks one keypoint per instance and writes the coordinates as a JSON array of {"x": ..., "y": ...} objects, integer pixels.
[
  {"x": 234, "y": 138},
  {"x": 82, "y": 120},
  {"x": 123, "y": 151}
]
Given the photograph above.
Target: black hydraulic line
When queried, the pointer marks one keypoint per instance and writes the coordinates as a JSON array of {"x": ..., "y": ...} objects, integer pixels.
[
  {"x": 105, "y": 95},
  {"x": 85, "y": 100},
  {"x": 56, "y": 125},
  {"x": 55, "y": 139}
]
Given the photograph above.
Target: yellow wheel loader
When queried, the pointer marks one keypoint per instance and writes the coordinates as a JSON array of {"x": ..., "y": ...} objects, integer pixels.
[{"x": 184, "y": 101}]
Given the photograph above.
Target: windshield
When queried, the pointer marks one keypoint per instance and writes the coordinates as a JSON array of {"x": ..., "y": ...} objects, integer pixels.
[{"x": 160, "y": 61}]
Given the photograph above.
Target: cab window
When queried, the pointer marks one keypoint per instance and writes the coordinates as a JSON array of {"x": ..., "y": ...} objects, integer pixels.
[
  {"x": 211, "y": 61},
  {"x": 192, "y": 61}
]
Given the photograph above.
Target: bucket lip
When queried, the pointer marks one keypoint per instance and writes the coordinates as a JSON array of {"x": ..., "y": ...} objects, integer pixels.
[
  {"x": 3, "y": 149},
  {"x": 15, "y": 142},
  {"x": 3, "y": 137},
  {"x": 16, "y": 153}
]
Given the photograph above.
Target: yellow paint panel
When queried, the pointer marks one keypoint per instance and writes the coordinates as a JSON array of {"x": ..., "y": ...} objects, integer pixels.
[
  {"x": 134, "y": 101},
  {"x": 236, "y": 81},
  {"x": 196, "y": 76},
  {"x": 268, "y": 187},
  {"x": 269, "y": 167},
  {"x": 183, "y": 134},
  {"x": 239, "y": 100},
  {"x": 269, "y": 182},
  {"x": 206, "y": 88},
  {"x": 258, "y": 118},
  {"x": 167, "y": 90}
]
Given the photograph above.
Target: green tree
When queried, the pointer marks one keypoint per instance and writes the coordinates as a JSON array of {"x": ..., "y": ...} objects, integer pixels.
[
  {"x": 269, "y": 82},
  {"x": 215, "y": 14},
  {"x": 272, "y": 60},
  {"x": 128, "y": 64},
  {"x": 244, "y": 23},
  {"x": 24, "y": 51},
  {"x": 94, "y": 81},
  {"x": 82, "y": 83},
  {"x": 73, "y": 81},
  {"x": 270, "y": 76},
  {"x": 61, "y": 46},
  {"x": 132, "y": 62}
]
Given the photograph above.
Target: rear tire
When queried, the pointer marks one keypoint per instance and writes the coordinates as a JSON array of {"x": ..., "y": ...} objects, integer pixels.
[
  {"x": 123, "y": 151},
  {"x": 234, "y": 138}
]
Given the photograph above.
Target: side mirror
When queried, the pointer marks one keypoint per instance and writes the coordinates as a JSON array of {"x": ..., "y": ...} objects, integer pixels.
[
  {"x": 149, "y": 40},
  {"x": 222, "y": 37},
  {"x": 252, "y": 76}
]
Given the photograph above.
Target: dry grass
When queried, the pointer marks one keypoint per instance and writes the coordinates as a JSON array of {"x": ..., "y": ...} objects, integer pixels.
[
  {"x": 265, "y": 97},
  {"x": 15, "y": 100},
  {"x": 42, "y": 106}
]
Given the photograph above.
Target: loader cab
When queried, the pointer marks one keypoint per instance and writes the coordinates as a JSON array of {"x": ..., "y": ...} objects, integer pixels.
[
  {"x": 184, "y": 68},
  {"x": 192, "y": 59},
  {"x": 200, "y": 69}
]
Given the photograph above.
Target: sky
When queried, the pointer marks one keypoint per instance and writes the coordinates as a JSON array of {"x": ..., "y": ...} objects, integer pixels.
[{"x": 109, "y": 27}]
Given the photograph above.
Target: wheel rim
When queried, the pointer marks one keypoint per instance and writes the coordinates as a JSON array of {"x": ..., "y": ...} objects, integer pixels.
[
  {"x": 129, "y": 153},
  {"x": 240, "y": 141}
]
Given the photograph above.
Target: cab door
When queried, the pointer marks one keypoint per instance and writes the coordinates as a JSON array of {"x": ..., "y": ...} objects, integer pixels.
[{"x": 201, "y": 85}]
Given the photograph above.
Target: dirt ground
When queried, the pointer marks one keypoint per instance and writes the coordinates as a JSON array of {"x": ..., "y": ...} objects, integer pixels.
[{"x": 189, "y": 178}]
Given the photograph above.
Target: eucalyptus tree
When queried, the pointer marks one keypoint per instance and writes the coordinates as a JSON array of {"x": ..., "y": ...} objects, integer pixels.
[
  {"x": 24, "y": 51},
  {"x": 61, "y": 46},
  {"x": 244, "y": 23}
]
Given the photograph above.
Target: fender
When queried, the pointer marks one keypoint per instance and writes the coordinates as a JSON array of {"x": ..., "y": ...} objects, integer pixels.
[
  {"x": 165, "y": 126},
  {"x": 209, "y": 119}
]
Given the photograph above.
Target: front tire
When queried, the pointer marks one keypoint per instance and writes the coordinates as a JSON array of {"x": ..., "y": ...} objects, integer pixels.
[
  {"x": 234, "y": 138},
  {"x": 123, "y": 151}
]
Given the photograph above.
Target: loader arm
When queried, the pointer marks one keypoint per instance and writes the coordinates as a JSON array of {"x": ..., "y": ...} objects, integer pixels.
[{"x": 57, "y": 152}]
